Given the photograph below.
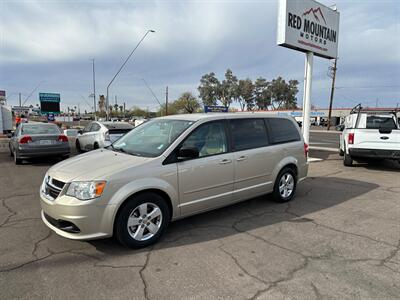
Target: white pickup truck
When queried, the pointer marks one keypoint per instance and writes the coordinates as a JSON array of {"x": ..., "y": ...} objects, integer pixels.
[{"x": 370, "y": 134}]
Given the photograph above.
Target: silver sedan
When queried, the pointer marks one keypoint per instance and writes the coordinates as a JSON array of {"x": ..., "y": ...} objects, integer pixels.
[{"x": 38, "y": 140}]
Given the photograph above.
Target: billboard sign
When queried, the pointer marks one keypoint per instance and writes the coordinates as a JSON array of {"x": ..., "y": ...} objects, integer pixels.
[
  {"x": 215, "y": 108},
  {"x": 308, "y": 26},
  {"x": 49, "y": 97},
  {"x": 49, "y": 103}
]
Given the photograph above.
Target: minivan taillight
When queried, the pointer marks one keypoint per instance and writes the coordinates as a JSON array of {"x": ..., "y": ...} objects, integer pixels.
[
  {"x": 62, "y": 138},
  {"x": 25, "y": 139},
  {"x": 350, "y": 139},
  {"x": 306, "y": 150}
]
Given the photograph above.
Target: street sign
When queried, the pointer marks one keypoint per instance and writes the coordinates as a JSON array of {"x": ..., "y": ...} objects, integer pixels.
[
  {"x": 215, "y": 108},
  {"x": 50, "y": 117},
  {"x": 307, "y": 25}
]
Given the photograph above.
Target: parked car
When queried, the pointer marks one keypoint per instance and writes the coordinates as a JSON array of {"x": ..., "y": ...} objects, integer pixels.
[
  {"x": 169, "y": 168},
  {"x": 100, "y": 134},
  {"x": 370, "y": 134},
  {"x": 340, "y": 127},
  {"x": 38, "y": 140}
]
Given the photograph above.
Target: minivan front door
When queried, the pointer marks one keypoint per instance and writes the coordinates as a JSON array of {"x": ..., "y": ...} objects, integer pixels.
[{"x": 206, "y": 182}]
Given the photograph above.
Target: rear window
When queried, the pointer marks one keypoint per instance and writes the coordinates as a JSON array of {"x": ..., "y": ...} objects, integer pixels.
[
  {"x": 248, "y": 133},
  {"x": 40, "y": 129},
  {"x": 283, "y": 130},
  {"x": 375, "y": 122}
]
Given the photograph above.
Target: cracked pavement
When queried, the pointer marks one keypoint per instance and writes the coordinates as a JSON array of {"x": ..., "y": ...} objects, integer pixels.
[{"x": 339, "y": 239}]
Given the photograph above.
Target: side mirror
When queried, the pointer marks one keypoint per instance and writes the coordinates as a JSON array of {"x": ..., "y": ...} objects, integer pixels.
[
  {"x": 188, "y": 153},
  {"x": 80, "y": 131}
]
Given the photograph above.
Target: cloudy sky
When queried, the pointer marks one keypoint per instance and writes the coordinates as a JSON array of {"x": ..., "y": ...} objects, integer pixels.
[{"x": 51, "y": 44}]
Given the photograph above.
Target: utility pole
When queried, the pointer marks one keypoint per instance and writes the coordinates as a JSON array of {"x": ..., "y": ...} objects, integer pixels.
[
  {"x": 19, "y": 99},
  {"x": 119, "y": 70},
  {"x": 333, "y": 75},
  {"x": 94, "y": 92},
  {"x": 166, "y": 101}
]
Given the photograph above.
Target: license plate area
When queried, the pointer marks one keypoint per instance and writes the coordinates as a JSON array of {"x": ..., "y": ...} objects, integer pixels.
[{"x": 45, "y": 142}]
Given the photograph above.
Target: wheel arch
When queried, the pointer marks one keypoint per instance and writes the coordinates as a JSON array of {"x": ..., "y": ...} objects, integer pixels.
[
  {"x": 127, "y": 198},
  {"x": 288, "y": 162}
]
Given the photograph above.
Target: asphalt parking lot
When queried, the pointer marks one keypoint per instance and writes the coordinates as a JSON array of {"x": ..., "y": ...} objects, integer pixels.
[{"x": 339, "y": 238}]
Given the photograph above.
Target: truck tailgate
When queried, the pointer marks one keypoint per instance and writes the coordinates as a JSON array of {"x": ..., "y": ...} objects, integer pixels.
[{"x": 373, "y": 139}]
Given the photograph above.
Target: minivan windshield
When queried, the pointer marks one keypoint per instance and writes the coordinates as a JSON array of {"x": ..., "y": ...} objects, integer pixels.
[{"x": 152, "y": 138}]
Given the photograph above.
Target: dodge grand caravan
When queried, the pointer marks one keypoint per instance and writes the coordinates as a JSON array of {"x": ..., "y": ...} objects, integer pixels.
[{"x": 170, "y": 168}]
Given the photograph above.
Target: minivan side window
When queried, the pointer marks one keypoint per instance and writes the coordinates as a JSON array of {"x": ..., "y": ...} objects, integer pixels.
[
  {"x": 209, "y": 139},
  {"x": 248, "y": 133},
  {"x": 282, "y": 130}
]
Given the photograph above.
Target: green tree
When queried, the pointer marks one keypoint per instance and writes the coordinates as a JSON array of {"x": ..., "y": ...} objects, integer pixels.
[
  {"x": 245, "y": 95},
  {"x": 209, "y": 89},
  {"x": 283, "y": 95},
  {"x": 187, "y": 103},
  {"x": 262, "y": 95},
  {"x": 138, "y": 112},
  {"x": 228, "y": 89}
]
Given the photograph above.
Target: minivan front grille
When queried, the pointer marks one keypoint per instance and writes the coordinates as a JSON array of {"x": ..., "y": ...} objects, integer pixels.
[{"x": 53, "y": 187}]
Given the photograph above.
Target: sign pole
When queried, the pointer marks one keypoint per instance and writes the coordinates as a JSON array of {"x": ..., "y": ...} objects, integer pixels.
[
  {"x": 307, "y": 99},
  {"x": 304, "y": 92}
]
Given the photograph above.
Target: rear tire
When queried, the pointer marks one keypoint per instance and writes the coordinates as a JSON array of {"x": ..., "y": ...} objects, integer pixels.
[
  {"x": 285, "y": 185},
  {"x": 347, "y": 160},
  {"x": 149, "y": 216},
  {"x": 341, "y": 152},
  {"x": 17, "y": 160},
  {"x": 95, "y": 146},
  {"x": 78, "y": 146}
]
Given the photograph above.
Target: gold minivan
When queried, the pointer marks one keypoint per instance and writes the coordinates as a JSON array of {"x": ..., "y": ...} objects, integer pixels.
[{"x": 170, "y": 168}]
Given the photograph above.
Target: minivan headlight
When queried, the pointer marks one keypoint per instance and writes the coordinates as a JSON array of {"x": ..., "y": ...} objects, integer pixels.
[{"x": 85, "y": 190}]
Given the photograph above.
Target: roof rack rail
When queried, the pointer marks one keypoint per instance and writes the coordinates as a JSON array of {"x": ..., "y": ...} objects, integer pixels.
[{"x": 359, "y": 109}]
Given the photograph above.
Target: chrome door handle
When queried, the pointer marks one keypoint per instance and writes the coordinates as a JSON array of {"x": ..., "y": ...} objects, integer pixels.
[
  {"x": 225, "y": 161},
  {"x": 241, "y": 158}
]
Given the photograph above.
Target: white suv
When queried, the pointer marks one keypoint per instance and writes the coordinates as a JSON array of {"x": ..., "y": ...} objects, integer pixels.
[
  {"x": 100, "y": 134},
  {"x": 169, "y": 168}
]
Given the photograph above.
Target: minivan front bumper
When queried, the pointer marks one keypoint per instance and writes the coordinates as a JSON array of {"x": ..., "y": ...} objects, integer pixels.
[{"x": 77, "y": 220}]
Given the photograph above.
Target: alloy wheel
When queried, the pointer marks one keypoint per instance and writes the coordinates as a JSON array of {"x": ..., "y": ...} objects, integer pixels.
[
  {"x": 286, "y": 185},
  {"x": 144, "y": 222}
]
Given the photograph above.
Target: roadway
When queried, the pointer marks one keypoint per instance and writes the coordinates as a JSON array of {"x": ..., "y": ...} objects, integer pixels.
[{"x": 324, "y": 139}]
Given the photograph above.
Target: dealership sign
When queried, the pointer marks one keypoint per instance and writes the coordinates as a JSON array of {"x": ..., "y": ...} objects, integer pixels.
[{"x": 308, "y": 26}]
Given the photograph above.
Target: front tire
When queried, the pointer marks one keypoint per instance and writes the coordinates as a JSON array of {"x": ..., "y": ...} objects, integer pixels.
[
  {"x": 142, "y": 220},
  {"x": 285, "y": 185}
]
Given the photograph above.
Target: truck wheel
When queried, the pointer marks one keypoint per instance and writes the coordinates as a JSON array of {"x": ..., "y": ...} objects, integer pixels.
[
  {"x": 347, "y": 161},
  {"x": 341, "y": 152}
]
